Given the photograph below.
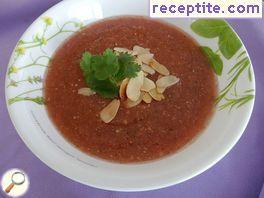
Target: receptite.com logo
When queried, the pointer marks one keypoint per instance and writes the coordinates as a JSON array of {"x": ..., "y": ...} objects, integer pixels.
[{"x": 14, "y": 183}]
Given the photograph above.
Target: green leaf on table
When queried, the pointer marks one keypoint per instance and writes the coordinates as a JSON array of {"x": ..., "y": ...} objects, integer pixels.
[
  {"x": 229, "y": 43},
  {"x": 215, "y": 60},
  {"x": 209, "y": 28}
]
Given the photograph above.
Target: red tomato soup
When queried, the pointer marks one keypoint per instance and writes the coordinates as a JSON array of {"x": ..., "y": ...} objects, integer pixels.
[{"x": 146, "y": 131}]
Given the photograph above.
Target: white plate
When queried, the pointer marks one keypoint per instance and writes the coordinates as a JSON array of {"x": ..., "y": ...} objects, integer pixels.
[{"x": 24, "y": 98}]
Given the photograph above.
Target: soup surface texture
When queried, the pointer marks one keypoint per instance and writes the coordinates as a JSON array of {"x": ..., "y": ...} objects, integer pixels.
[{"x": 147, "y": 131}]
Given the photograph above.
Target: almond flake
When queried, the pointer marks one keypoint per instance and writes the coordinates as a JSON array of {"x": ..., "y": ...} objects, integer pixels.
[
  {"x": 147, "y": 69},
  {"x": 120, "y": 49},
  {"x": 160, "y": 76},
  {"x": 161, "y": 89},
  {"x": 148, "y": 85},
  {"x": 86, "y": 91},
  {"x": 110, "y": 111},
  {"x": 155, "y": 95},
  {"x": 124, "y": 50},
  {"x": 138, "y": 61},
  {"x": 147, "y": 98},
  {"x": 122, "y": 90},
  {"x": 140, "y": 50},
  {"x": 129, "y": 103},
  {"x": 159, "y": 67},
  {"x": 134, "y": 85},
  {"x": 145, "y": 58},
  {"x": 167, "y": 81}
]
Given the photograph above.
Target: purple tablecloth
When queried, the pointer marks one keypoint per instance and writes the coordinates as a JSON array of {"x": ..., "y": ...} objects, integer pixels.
[{"x": 239, "y": 175}]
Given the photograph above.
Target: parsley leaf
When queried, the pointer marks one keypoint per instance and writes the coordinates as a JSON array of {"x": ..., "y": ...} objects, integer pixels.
[
  {"x": 103, "y": 73},
  {"x": 128, "y": 68},
  {"x": 86, "y": 62},
  {"x": 106, "y": 65},
  {"x": 105, "y": 88}
]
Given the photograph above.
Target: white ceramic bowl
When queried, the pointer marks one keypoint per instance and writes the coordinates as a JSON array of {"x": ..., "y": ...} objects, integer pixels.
[{"x": 24, "y": 101}]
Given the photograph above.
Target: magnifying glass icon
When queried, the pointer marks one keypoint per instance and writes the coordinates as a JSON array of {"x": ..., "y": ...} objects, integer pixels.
[{"x": 18, "y": 178}]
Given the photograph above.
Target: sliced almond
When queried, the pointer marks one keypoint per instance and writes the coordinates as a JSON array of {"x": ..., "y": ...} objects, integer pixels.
[
  {"x": 145, "y": 58},
  {"x": 129, "y": 103},
  {"x": 145, "y": 74},
  {"x": 159, "y": 67},
  {"x": 121, "y": 49},
  {"x": 147, "y": 98},
  {"x": 110, "y": 111},
  {"x": 138, "y": 61},
  {"x": 160, "y": 76},
  {"x": 124, "y": 50},
  {"x": 167, "y": 81},
  {"x": 140, "y": 50},
  {"x": 134, "y": 85},
  {"x": 86, "y": 91},
  {"x": 122, "y": 89},
  {"x": 161, "y": 90},
  {"x": 147, "y": 69},
  {"x": 148, "y": 85},
  {"x": 155, "y": 95}
]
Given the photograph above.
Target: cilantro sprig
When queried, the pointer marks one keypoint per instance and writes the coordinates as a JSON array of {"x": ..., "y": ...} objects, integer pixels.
[{"x": 103, "y": 73}]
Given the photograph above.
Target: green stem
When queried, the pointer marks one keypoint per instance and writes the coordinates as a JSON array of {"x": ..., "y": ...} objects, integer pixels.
[
  {"x": 236, "y": 102},
  {"x": 42, "y": 57},
  {"x": 241, "y": 54},
  {"x": 35, "y": 63},
  {"x": 217, "y": 51},
  {"x": 63, "y": 31},
  {"x": 44, "y": 31},
  {"x": 67, "y": 23},
  {"x": 26, "y": 43},
  {"x": 27, "y": 92},
  {"x": 51, "y": 37},
  {"x": 231, "y": 84},
  {"x": 38, "y": 100},
  {"x": 32, "y": 64},
  {"x": 20, "y": 81},
  {"x": 32, "y": 46},
  {"x": 31, "y": 80}
]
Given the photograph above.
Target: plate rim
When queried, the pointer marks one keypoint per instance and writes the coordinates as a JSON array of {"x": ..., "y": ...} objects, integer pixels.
[{"x": 149, "y": 186}]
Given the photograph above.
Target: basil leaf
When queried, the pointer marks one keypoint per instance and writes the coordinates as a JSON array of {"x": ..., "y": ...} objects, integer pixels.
[
  {"x": 215, "y": 60},
  {"x": 229, "y": 43},
  {"x": 209, "y": 28}
]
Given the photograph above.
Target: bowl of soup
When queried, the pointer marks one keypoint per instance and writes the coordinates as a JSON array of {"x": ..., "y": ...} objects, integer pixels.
[{"x": 114, "y": 99}]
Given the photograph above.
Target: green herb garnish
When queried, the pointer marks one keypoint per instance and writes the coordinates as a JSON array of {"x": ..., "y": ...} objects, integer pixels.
[
  {"x": 215, "y": 60},
  {"x": 103, "y": 73},
  {"x": 228, "y": 41}
]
